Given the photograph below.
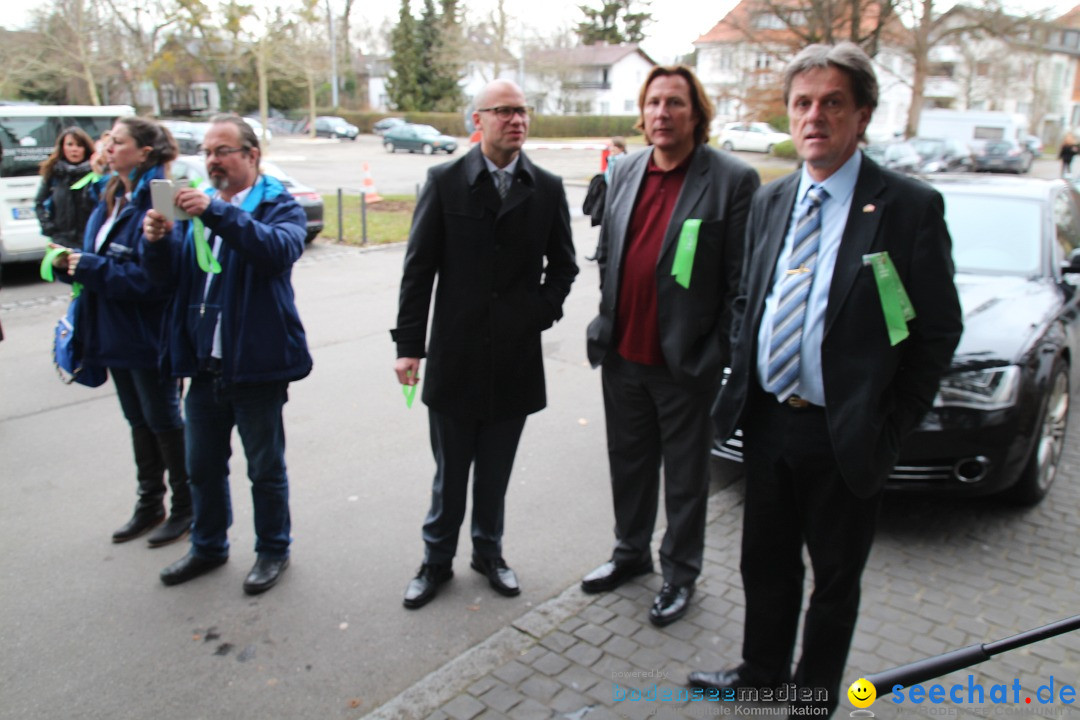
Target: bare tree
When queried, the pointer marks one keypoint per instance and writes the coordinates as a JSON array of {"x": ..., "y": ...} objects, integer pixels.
[{"x": 70, "y": 33}]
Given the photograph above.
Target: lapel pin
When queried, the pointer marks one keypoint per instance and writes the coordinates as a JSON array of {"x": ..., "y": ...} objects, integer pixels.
[{"x": 868, "y": 208}]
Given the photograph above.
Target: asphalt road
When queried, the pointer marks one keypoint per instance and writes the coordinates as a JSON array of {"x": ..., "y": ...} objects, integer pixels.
[{"x": 88, "y": 629}]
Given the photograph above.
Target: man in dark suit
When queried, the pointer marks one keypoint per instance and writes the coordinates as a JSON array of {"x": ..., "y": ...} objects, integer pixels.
[
  {"x": 670, "y": 257},
  {"x": 822, "y": 389},
  {"x": 495, "y": 229}
]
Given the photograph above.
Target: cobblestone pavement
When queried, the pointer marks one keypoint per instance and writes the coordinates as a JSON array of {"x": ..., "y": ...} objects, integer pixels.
[{"x": 942, "y": 575}]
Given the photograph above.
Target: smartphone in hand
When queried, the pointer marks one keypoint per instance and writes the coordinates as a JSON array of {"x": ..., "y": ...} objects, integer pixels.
[{"x": 163, "y": 199}]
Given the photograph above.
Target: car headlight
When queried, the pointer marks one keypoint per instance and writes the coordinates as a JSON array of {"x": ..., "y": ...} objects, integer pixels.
[
  {"x": 989, "y": 389},
  {"x": 932, "y": 167}
]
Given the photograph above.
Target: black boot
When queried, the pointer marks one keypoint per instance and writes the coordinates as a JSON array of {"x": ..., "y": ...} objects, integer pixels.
[
  {"x": 171, "y": 443},
  {"x": 149, "y": 510}
]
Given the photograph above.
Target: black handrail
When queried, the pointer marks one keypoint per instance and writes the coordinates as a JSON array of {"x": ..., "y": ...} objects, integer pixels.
[{"x": 932, "y": 667}]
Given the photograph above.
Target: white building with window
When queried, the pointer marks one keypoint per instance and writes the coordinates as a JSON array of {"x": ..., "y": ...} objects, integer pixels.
[{"x": 596, "y": 79}]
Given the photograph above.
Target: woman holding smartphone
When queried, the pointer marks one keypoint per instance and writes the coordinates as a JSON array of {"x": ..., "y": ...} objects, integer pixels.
[{"x": 121, "y": 325}]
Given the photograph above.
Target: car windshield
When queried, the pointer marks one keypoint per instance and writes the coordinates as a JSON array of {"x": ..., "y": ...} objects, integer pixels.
[
  {"x": 335, "y": 120},
  {"x": 899, "y": 151},
  {"x": 996, "y": 235},
  {"x": 426, "y": 130},
  {"x": 929, "y": 148}
]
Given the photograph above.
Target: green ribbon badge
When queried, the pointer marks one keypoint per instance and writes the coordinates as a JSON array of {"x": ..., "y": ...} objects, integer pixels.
[
  {"x": 684, "y": 253},
  {"x": 85, "y": 180},
  {"x": 895, "y": 303},
  {"x": 409, "y": 391},
  {"x": 203, "y": 254},
  {"x": 47, "y": 268}
]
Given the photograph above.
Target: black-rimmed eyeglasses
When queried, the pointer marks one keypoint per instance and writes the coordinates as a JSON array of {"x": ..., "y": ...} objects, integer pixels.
[
  {"x": 220, "y": 152},
  {"x": 505, "y": 112}
]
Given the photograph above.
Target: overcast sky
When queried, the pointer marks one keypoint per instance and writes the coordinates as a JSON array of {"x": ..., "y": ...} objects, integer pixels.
[{"x": 677, "y": 23}]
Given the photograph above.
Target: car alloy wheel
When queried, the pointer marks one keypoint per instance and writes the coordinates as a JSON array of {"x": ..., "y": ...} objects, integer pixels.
[
  {"x": 1042, "y": 466},
  {"x": 389, "y": 147},
  {"x": 728, "y": 146},
  {"x": 428, "y": 149}
]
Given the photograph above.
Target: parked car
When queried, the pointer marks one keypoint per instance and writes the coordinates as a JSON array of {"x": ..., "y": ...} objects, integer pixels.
[
  {"x": 899, "y": 156},
  {"x": 264, "y": 135},
  {"x": 332, "y": 126},
  {"x": 189, "y": 135},
  {"x": 1034, "y": 143},
  {"x": 424, "y": 138},
  {"x": 754, "y": 136},
  {"x": 193, "y": 167},
  {"x": 385, "y": 124},
  {"x": 1004, "y": 156},
  {"x": 943, "y": 155},
  {"x": 998, "y": 422}
]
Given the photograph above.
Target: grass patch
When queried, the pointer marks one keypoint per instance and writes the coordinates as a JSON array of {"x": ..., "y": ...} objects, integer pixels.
[
  {"x": 387, "y": 221},
  {"x": 771, "y": 172}
]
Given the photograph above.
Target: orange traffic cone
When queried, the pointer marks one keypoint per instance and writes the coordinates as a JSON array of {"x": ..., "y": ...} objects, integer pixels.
[{"x": 368, "y": 188}]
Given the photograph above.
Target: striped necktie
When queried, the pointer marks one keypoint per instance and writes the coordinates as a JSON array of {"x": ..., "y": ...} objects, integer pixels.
[
  {"x": 787, "y": 329},
  {"x": 502, "y": 183}
]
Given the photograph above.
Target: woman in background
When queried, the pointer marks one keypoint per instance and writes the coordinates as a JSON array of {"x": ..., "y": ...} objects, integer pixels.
[
  {"x": 121, "y": 324},
  {"x": 61, "y": 210}
]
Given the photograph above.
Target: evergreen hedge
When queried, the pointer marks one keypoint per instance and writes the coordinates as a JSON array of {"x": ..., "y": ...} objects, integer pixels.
[{"x": 548, "y": 126}]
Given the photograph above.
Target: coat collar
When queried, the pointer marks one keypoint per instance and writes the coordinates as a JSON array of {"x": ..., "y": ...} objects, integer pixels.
[{"x": 483, "y": 184}]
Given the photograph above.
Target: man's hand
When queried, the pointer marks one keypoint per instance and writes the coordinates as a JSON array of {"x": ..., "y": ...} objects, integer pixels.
[
  {"x": 155, "y": 226},
  {"x": 408, "y": 370},
  {"x": 192, "y": 201}
]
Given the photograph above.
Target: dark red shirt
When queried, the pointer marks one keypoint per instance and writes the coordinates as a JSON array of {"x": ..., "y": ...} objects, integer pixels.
[{"x": 637, "y": 319}]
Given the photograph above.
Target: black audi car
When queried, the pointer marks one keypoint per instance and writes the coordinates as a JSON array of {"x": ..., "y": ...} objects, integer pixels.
[{"x": 999, "y": 420}]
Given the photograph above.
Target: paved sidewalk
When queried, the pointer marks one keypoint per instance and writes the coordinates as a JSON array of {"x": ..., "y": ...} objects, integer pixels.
[{"x": 942, "y": 575}]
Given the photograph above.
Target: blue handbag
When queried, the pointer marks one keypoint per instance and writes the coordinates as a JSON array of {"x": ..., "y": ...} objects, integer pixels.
[{"x": 68, "y": 352}]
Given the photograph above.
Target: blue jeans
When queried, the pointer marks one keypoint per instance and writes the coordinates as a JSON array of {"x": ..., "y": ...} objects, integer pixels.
[
  {"x": 148, "y": 398},
  {"x": 212, "y": 410}
]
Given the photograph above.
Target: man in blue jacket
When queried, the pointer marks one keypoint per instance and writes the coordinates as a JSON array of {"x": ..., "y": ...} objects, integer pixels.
[{"x": 235, "y": 331}]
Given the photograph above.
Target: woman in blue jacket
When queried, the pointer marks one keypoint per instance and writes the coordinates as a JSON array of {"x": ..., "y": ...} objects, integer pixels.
[{"x": 121, "y": 323}]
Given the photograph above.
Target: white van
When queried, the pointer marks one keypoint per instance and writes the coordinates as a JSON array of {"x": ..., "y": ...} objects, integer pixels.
[{"x": 28, "y": 135}]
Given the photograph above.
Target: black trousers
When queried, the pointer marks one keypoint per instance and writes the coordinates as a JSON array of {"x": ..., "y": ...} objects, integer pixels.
[
  {"x": 488, "y": 447},
  {"x": 653, "y": 420},
  {"x": 795, "y": 495}
]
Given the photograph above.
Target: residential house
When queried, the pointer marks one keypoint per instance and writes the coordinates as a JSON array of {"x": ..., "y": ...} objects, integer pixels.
[
  {"x": 998, "y": 62},
  {"x": 741, "y": 61},
  {"x": 599, "y": 79}
]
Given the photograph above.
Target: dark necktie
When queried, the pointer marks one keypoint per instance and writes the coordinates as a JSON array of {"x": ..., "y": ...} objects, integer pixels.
[{"x": 502, "y": 183}]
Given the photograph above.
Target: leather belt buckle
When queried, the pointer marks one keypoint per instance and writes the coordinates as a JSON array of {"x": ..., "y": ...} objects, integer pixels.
[{"x": 797, "y": 402}]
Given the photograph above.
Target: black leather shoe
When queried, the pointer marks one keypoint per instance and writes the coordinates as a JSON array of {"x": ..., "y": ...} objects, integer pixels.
[
  {"x": 612, "y": 574},
  {"x": 425, "y": 585},
  {"x": 265, "y": 573},
  {"x": 501, "y": 578},
  {"x": 175, "y": 528},
  {"x": 189, "y": 567},
  {"x": 142, "y": 521},
  {"x": 671, "y": 604},
  {"x": 732, "y": 678}
]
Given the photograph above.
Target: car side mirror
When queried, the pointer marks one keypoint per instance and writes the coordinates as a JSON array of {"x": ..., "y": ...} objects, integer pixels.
[{"x": 1072, "y": 265}]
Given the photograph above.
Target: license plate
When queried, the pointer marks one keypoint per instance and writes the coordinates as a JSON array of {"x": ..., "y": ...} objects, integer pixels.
[
  {"x": 24, "y": 212},
  {"x": 995, "y": 163}
]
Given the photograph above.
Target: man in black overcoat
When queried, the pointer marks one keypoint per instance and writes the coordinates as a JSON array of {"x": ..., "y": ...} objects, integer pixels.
[{"x": 495, "y": 230}]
